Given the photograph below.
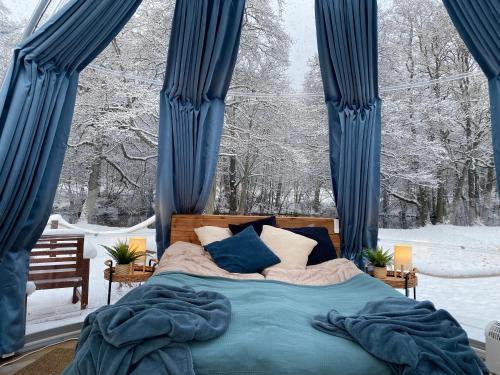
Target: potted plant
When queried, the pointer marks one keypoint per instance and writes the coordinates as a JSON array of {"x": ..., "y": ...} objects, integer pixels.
[
  {"x": 123, "y": 256},
  {"x": 379, "y": 259}
]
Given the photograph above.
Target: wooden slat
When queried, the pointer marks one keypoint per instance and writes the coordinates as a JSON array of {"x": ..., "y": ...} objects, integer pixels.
[
  {"x": 46, "y": 237},
  {"x": 52, "y": 274},
  {"x": 53, "y": 260},
  {"x": 54, "y": 271},
  {"x": 58, "y": 283},
  {"x": 41, "y": 266},
  {"x": 182, "y": 228},
  {"x": 55, "y": 245},
  {"x": 50, "y": 240},
  {"x": 54, "y": 252},
  {"x": 59, "y": 239}
]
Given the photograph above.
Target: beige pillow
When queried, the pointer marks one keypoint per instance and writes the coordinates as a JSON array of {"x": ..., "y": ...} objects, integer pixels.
[
  {"x": 210, "y": 234},
  {"x": 293, "y": 249}
]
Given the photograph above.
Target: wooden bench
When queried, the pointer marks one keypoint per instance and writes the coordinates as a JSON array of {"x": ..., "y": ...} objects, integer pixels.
[{"x": 57, "y": 261}]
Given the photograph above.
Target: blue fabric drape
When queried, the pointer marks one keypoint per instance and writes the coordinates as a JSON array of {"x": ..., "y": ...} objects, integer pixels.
[
  {"x": 37, "y": 99},
  {"x": 347, "y": 46},
  {"x": 201, "y": 58},
  {"x": 478, "y": 23}
]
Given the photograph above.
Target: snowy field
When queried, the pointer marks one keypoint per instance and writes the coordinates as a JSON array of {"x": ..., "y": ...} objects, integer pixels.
[{"x": 459, "y": 270}]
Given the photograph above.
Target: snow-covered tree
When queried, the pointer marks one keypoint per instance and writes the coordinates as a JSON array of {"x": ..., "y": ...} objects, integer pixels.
[
  {"x": 437, "y": 154},
  {"x": 437, "y": 163},
  {"x": 10, "y": 32}
]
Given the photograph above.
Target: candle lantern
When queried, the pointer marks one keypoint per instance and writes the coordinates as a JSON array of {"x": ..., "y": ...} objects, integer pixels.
[
  {"x": 138, "y": 244},
  {"x": 402, "y": 258}
]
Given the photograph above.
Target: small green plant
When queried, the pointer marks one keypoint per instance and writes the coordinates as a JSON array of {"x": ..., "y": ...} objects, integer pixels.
[
  {"x": 378, "y": 257},
  {"x": 122, "y": 254}
]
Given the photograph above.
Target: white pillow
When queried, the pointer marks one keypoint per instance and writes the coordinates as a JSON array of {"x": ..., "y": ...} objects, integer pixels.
[
  {"x": 210, "y": 234},
  {"x": 293, "y": 249}
]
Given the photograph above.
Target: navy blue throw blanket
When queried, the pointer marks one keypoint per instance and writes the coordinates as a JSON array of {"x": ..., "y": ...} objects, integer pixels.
[
  {"x": 411, "y": 336},
  {"x": 148, "y": 330}
]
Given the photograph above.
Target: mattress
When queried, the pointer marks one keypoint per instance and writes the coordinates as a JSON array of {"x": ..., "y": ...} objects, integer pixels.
[{"x": 270, "y": 331}]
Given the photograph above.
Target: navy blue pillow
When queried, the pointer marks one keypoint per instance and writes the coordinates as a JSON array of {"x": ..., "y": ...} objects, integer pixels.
[
  {"x": 257, "y": 225},
  {"x": 242, "y": 253},
  {"x": 324, "y": 250}
]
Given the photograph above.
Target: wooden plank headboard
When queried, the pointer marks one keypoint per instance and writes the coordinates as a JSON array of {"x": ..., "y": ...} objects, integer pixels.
[{"x": 182, "y": 228}]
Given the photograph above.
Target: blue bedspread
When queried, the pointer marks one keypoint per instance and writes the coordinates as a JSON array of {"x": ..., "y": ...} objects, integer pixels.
[
  {"x": 271, "y": 333},
  {"x": 412, "y": 336},
  {"x": 147, "y": 331}
]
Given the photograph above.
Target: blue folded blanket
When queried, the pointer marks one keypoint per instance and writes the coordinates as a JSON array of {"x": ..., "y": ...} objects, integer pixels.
[
  {"x": 412, "y": 337},
  {"x": 147, "y": 331}
]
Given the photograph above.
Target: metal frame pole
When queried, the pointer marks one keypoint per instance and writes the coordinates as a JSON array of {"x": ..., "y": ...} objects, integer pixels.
[
  {"x": 110, "y": 280},
  {"x": 406, "y": 284},
  {"x": 36, "y": 17}
]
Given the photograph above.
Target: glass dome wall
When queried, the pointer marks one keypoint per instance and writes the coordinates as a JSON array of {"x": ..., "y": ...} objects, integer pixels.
[{"x": 436, "y": 160}]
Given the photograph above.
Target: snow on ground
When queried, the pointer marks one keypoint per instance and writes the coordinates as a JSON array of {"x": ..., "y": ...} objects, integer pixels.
[
  {"x": 450, "y": 251},
  {"x": 459, "y": 271}
]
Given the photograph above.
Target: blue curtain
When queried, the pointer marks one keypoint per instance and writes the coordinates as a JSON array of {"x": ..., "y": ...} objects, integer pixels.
[
  {"x": 201, "y": 57},
  {"x": 478, "y": 23},
  {"x": 37, "y": 99},
  {"x": 347, "y": 46}
]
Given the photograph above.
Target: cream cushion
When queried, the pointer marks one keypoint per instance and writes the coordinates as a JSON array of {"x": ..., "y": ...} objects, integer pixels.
[
  {"x": 209, "y": 234},
  {"x": 292, "y": 249}
]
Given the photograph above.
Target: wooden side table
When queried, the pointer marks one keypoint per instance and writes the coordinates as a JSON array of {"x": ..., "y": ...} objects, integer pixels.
[
  {"x": 402, "y": 281},
  {"x": 141, "y": 273},
  {"x": 405, "y": 280}
]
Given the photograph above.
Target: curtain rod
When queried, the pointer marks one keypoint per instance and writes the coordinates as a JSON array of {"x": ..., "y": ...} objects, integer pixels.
[{"x": 299, "y": 94}]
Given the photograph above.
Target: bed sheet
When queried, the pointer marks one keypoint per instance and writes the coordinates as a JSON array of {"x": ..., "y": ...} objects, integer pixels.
[{"x": 270, "y": 331}]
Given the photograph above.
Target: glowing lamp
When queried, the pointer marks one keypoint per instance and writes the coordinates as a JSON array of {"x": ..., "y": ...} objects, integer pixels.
[
  {"x": 138, "y": 244},
  {"x": 402, "y": 257}
]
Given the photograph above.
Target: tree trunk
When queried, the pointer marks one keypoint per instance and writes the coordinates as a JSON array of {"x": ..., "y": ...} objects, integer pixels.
[
  {"x": 402, "y": 215},
  {"x": 423, "y": 208},
  {"x": 457, "y": 195},
  {"x": 316, "y": 202},
  {"x": 89, "y": 211},
  {"x": 440, "y": 201},
  {"x": 488, "y": 190},
  {"x": 471, "y": 195},
  {"x": 297, "y": 198},
  {"x": 233, "y": 200},
  {"x": 242, "y": 207},
  {"x": 277, "y": 199},
  {"x": 385, "y": 208},
  {"x": 210, "y": 208}
]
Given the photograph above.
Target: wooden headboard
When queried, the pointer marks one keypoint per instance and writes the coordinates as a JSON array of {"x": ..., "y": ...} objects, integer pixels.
[{"x": 182, "y": 228}]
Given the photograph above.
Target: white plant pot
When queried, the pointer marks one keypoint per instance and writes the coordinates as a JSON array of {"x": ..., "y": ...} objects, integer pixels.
[
  {"x": 122, "y": 269},
  {"x": 380, "y": 272}
]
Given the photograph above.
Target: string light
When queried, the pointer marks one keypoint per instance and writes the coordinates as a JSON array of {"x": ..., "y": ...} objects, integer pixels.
[{"x": 235, "y": 94}]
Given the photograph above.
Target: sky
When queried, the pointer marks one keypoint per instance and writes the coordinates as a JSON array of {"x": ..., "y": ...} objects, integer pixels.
[
  {"x": 298, "y": 19},
  {"x": 20, "y": 9}
]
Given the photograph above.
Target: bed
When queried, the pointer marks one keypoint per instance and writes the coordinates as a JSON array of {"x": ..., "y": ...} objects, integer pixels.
[{"x": 270, "y": 330}]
